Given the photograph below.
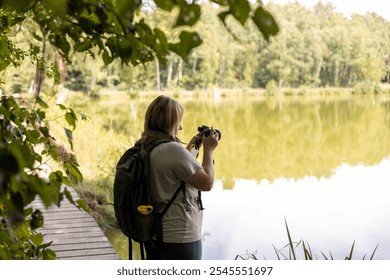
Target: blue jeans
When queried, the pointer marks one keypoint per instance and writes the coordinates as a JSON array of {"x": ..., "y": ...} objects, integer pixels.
[{"x": 174, "y": 251}]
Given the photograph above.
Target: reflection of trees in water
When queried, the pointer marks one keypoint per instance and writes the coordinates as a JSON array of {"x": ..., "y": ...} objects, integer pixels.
[
  {"x": 275, "y": 136},
  {"x": 293, "y": 137}
]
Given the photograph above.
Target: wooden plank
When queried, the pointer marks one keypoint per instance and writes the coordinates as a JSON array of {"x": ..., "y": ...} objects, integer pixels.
[
  {"x": 67, "y": 239},
  {"x": 106, "y": 256},
  {"x": 81, "y": 246},
  {"x": 71, "y": 224},
  {"x": 85, "y": 252},
  {"x": 73, "y": 236},
  {"x": 47, "y": 230},
  {"x": 54, "y": 220},
  {"x": 73, "y": 232}
]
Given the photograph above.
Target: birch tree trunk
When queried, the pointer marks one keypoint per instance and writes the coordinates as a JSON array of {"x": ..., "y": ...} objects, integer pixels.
[{"x": 158, "y": 83}]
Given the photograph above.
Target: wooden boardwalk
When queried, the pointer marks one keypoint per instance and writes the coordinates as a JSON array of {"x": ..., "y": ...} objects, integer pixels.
[{"x": 75, "y": 234}]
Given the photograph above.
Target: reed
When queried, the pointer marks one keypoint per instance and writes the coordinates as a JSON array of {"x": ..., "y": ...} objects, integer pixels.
[{"x": 294, "y": 248}]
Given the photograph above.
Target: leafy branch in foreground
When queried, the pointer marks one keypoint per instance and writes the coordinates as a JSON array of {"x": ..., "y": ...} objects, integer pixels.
[
  {"x": 117, "y": 29},
  {"x": 25, "y": 142}
]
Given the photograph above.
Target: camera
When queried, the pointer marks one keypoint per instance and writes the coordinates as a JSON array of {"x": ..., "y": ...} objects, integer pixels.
[{"x": 204, "y": 129}]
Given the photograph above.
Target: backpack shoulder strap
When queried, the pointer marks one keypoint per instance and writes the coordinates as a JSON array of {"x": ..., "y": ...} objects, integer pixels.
[
  {"x": 153, "y": 138},
  {"x": 157, "y": 134},
  {"x": 181, "y": 187},
  {"x": 159, "y": 216}
]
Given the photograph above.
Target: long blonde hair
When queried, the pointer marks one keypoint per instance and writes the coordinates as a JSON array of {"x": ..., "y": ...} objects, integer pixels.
[{"x": 163, "y": 114}]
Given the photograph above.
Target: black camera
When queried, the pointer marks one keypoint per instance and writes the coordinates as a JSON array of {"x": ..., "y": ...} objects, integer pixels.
[{"x": 204, "y": 129}]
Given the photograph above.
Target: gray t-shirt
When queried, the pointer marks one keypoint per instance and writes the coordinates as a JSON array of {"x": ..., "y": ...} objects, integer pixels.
[{"x": 171, "y": 163}]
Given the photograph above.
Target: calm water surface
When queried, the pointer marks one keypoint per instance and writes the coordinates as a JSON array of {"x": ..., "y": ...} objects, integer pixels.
[{"x": 320, "y": 163}]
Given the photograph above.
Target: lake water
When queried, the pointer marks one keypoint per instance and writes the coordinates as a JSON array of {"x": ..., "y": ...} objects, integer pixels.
[
  {"x": 327, "y": 213},
  {"x": 321, "y": 163}
]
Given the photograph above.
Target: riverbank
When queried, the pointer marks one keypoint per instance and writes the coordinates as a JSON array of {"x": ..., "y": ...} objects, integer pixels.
[{"x": 271, "y": 89}]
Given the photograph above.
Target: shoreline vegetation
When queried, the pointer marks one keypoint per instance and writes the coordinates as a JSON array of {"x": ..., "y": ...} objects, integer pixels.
[{"x": 271, "y": 90}]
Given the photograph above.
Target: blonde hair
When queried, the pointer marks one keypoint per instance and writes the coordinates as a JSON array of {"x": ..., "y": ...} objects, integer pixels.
[{"x": 163, "y": 114}]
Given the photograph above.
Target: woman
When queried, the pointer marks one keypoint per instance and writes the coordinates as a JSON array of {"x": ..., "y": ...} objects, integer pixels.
[{"x": 170, "y": 164}]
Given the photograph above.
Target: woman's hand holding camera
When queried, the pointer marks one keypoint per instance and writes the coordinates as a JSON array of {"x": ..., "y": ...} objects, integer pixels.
[
  {"x": 210, "y": 142},
  {"x": 203, "y": 179}
]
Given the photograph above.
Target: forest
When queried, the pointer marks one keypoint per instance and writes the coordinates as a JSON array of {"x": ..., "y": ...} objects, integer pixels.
[{"x": 315, "y": 47}]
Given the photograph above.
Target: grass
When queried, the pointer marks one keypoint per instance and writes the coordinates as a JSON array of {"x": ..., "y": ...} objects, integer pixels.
[{"x": 294, "y": 248}]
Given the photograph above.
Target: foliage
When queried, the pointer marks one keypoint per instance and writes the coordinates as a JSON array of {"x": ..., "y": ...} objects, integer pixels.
[
  {"x": 114, "y": 28},
  {"x": 26, "y": 147},
  {"x": 315, "y": 47}
]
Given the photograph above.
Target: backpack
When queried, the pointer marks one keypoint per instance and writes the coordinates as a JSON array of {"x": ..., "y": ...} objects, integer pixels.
[{"x": 132, "y": 202}]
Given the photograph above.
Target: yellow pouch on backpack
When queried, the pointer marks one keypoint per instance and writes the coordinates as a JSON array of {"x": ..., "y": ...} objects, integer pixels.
[{"x": 145, "y": 209}]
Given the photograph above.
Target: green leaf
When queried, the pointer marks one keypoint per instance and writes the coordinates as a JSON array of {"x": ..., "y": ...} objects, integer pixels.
[
  {"x": 37, "y": 222},
  {"x": 71, "y": 118},
  {"x": 107, "y": 58},
  {"x": 17, "y": 5},
  {"x": 80, "y": 203},
  {"x": 22, "y": 153},
  {"x": 265, "y": 23},
  {"x": 39, "y": 116},
  {"x": 33, "y": 136},
  {"x": 188, "y": 15},
  {"x": 61, "y": 42},
  {"x": 221, "y": 2},
  {"x": 73, "y": 171},
  {"x": 240, "y": 9},
  {"x": 188, "y": 41},
  {"x": 83, "y": 45},
  {"x": 62, "y": 107},
  {"x": 123, "y": 7},
  {"x": 49, "y": 254},
  {"x": 161, "y": 46},
  {"x": 57, "y": 179},
  {"x": 68, "y": 195},
  {"x": 223, "y": 16},
  {"x": 41, "y": 102},
  {"x": 162, "y": 39},
  {"x": 59, "y": 6},
  {"x": 125, "y": 49},
  {"x": 166, "y": 5}
]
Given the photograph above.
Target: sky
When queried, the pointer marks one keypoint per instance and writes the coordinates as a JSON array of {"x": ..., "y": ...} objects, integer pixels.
[{"x": 348, "y": 7}]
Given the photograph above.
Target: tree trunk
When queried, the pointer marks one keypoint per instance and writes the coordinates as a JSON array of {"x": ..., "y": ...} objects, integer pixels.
[
  {"x": 63, "y": 69},
  {"x": 40, "y": 72},
  {"x": 169, "y": 72},
  {"x": 158, "y": 84},
  {"x": 179, "y": 72},
  {"x": 194, "y": 65}
]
